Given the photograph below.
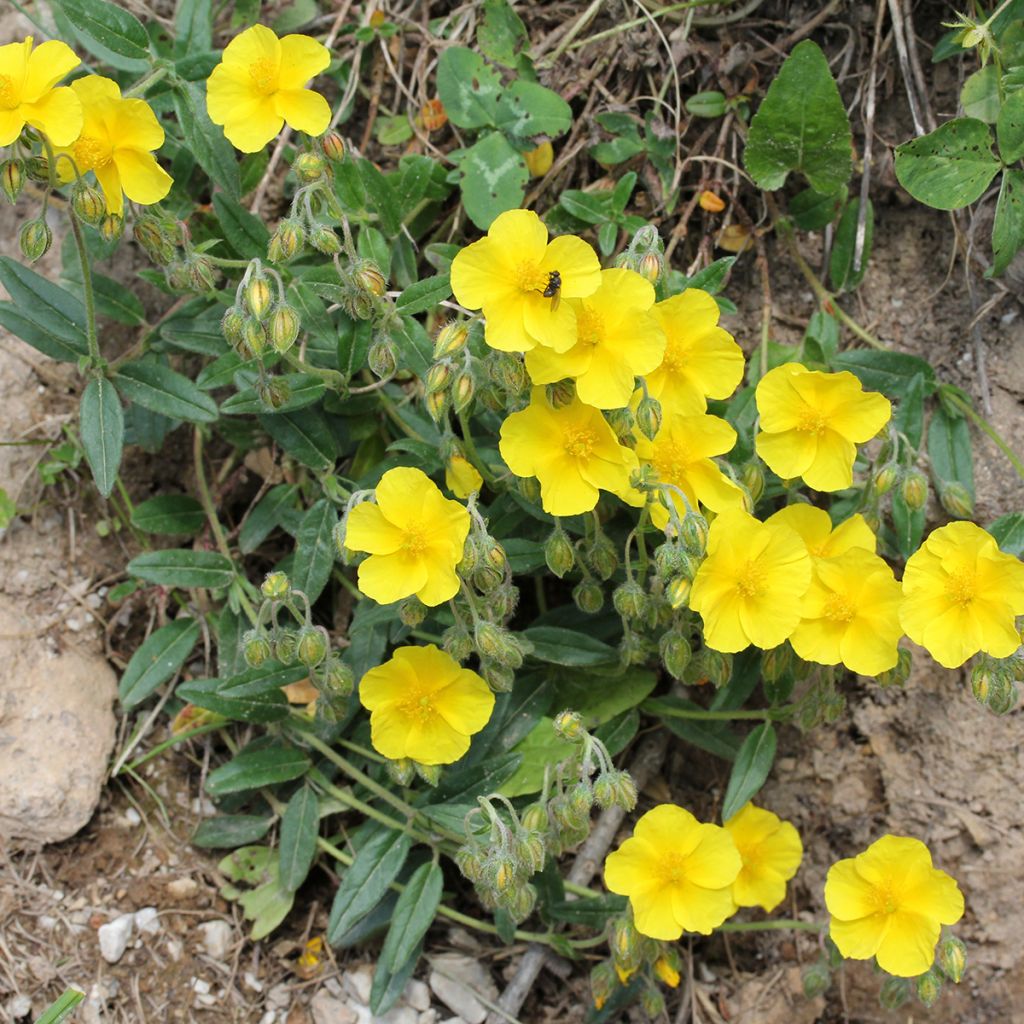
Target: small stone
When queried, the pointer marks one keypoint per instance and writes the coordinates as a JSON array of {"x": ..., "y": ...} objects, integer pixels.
[
  {"x": 200, "y": 986},
  {"x": 182, "y": 888},
  {"x": 458, "y": 981},
  {"x": 417, "y": 995},
  {"x": 400, "y": 1015},
  {"x": 147, "y": 920},
  {"x": 216, "y": 938},
  {"x": 114, "y": 936},
  {"x": 428, "y": 1017},
  {"x": 280, "y": 996},
  {"x": 252, "y": 982},
  {"x": 359, "y": 982},
  {"x": 175, "y": 949},
  {"x": 19, "y": 1006},
  {"x": 270, "y": 1017},
  {"x": 133, "y": 816},
  {"x": 328, "y": 1010}
]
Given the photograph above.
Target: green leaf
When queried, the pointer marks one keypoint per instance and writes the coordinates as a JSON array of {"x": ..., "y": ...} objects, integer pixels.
[
  {"x": 706, "y": 104},
  {"x": 888, "y": 372},
  {"x": 543, "y": 747},
  {"x": 182, "y": 567},
  {"x": 712, "y": 277},
  {"x": 375, "y": 867},
  {"x": 304, "y": 389},
  {"x": 230, "y": 830},
  {"x": 111, "y": 297},
  {"x": 801, "y": 126},
  {"x": 254, "y": 768},
  {"x": 423, "y": 295},
  {"x": 30, "y": 331},
  {"x": 245, "y": 698},
  {"x": 841, "y": 271},
  {"x": 464, "y": 784},
  {"x": 314, "y": 549},
  {"x": 468, "y": 87},
  {"x": 110, "y": 32},
  {"x": 601, "y": 695},
  {"x": 300, "y": 826},
  {"x": 493, "y": 178},
  {"x": 205, "y": 140},
  {"x": 414, "y": 913},
  {"x": 304, "y": 434},
  {"x": 812, "y": 211},
  {"x": 951, "y": 166},
  {"x": 501, "y": 34},
  {"x": 559, "y": 646},
  {"x": 1008, "y": 227},
  {"x": 193, "y": 26},
  {"x": 1010, "y": 127},
  {"x": 157, "y": 387},
  {"x": 526, "y": 109},
  {"x": 101, "y": 421},
  {"x": 589, "y": 207},
  {"x": 750, "y": 770},
  {"x": 163, "y": 653},
  {"x": 246, "y": 233},
  {"x": 51, "y": 309},
  {"x": 908, "y": 526},
  {"x": 593, "y": 911},
  {"x": 949, "y": 450},
  {"x": 908, "y": 417},
  {"x": 176, "y": 514},
  {"x": 1008, "y": 531},
  {"x": 980, "y": 94},
  {"x": 294, "y": 16},
  {"x": 821, "y": 339},
  {"x": 265, "y": 517}
]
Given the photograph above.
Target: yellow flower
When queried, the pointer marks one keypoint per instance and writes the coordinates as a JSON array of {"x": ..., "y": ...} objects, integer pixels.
[
  {"x": 507, "y": 273},
  {"x": 28, "y": 96},
  {"x": 815, "y": 528},
  {"x": 701, "y": 359},
  {"x": 461, "y": 477},
  {"x": 572, "y": 451},
  {"x": 677, "y": 873},
  {"x": 423, "y": 705},
  {"x": 117, "y": 142},
  {"x": 616, "y": 340},
  {"x": 748, "y": 590},
  {"x": 415, "y": 538},
  {"x": 889, "y": 902},
  {"x": 771, "y": 852},
  {"x": 681, "y": 455},
  {"x": 811, "y": 423},
  {"x": 961, "y": 595},
  {"x": 260, "y": 83},
  {"x": 851, "y": 614}
]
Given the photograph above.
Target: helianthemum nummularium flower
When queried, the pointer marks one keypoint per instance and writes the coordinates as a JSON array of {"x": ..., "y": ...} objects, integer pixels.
[
  {"x": 770, "y": 850},
  {"x": 117, "y": 143},
  {"x": 414, "y": 535},
  {"x": 749, "y": 588},
  {"x": 701, "y": 359},
  {"x": 961, "y": 595},
  {"x": 521, "y": 281},
  {"x": 890, "y": 903},
  {"x": 29, "y": 94},
  {"x": 812, "y": 422},
  {"x": 677, "y": 872},
  {"x": 617, "y": 339},
  {"x": 261, "y": 84},
  {"x": 424, "y": 706},
  {"x": 824, "y": 540},
  {"x": 572, "y": 451}
]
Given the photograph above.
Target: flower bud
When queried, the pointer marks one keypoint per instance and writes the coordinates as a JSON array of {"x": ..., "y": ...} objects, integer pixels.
[
  {"x": 88, "y": 204},
  {"x": 501, "y": 872},
  {"x": 276, "y": 586},
  {"x": 38, "y": 169},
  {"x": 325, "y": 241},
  {"x": 561, "y": 394},
  {"x": 273, "y": 392},
  {"x": 382, "y": 357},
  {"x": 817, "y": 979},
  {"x": 588, "y": 596},
  {"x": 450, "y": 339},
  {"x": 529, "y": 849},
  {"x": 499, "y": 644},
  {"x": 308, "y": 167},
  {"x": 712, "y": 667},
  {"x": 603, "y": 556},
  {"x": 885, "y": 480},
  {"x": 694, "y": 533},
  {"x": 509, "y": 372},
  {"x": 914, "y": 490},
  {"x": 675, "y": 653},
  {"x": 12, "y": 179},
  {"x": 602, "y": 983},
  {"x": 558, "y": 553},
  {"x": 929, "y": 988},
  {"x": 401, "y": 772},
  {"x": 569, "y": 725},
  {"x": 651, "y": 266},
  {"x": 677, "y": 593},
  {"x": 539, "y": 160},
  {"x": 522, "y": 903},
  {"x": 535, "y": 818},
  {"x": 463, "y": 391},
  {"x": 457, "y": 642},
  {"x": 752, "y": 478},
  {"x": 311, "y": 646},
  {"x": 369, "y": 278},
  {"x": 284, "y": 327},
  {"x": 255, "y": 648},
  {"x": 956, "y": 500},
  {"x": 486, "y": 578},
  {"x": 630, "y": 600},
  {"x": 652, "y": 1002},
  {"x": 648, "y": 417},
  {"x": 112, "y": 227},
  {"x": 200, "y": 273},
  {"x": 258, "y": 296},
  {"x": 500, "y": 678},
  {"x": 469, "y": 858},
  {"x": 952, "y": 958},
  {"x": 775, "y": 663},
  {"x": 35, "y": 239},
  {"x": 581, "y": 800},
  {"x": 286, "y": 241},
  {"x": 412, "y": 611},
  {"x": 333, "y": 146},
  {"x": 285, "y": 644},
  {"x": 625, "y": 945},
  {"x": 437, "y": 377},
  {"x": 615, "y": 789},
  {"x": 232, "y": 326},
  {"x": 338, "y": 679},
  {"x": 529, "y": 488},
  {"x": 429, "y": 773},
  {"x": 437, "y": 405},
  {"x": 992, "y": 685},
  {"x": 177, "y": 276},
  {"x": 894, "y": 993}
]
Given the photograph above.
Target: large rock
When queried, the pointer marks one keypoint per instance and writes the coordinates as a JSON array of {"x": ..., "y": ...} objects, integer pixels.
[{"x": 56, "y": 732}]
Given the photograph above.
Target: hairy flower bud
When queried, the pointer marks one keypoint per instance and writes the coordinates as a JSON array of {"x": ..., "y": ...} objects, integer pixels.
[
  {"x": 437, "y": 405},
  {"x": 498, "y": 644},
  {"x": 894, "y": 993},
  {"x": 651, "y": 266},
  {"x": 558, "y": 553},
  {"x": 956, "y": 500},
  {"x": 775, "y": 663},
  {"x": 308, "y": 167},
  {"x": 232, "y": 326},
  {"x": 429, "y": 773},
  {"x": 285, "y": 644},
  {"x": 615, "y": 789},
  {"x": 535, "y": 818},
  {"x": 401, "y": 772},
  {"x": 602, "y": 983},
  {"x": 111, "y": 227},
  {"x": 992, "y": 685},
  {"x": 952, "y": 958},
  {"x": 382, "y": 357},
  {"x": 35, "y": 239},
  {"x": 630, "y": 600},
  {"x": 569, "y": 725},
  {"x": 677, "y": 593},
  {"x": 648, "y": 417},
  {"x": 338, "y": 679},
  {"x": 462, "y": 392},
  {"x": 273, "y": 392},
  {"x": 12, "y": 178},
  {"x": 469, "y": 859},
  {"x": 885, "y": 480},
  {"x": 88, "y": 204},
  {"x": 255, "y": 648},
  {"x": 588, "y": 596},
  {"x": 817, "y": 979},
  {"x": 694, "y": 533},
  {"x": 258, "y": 296},
  {"x": 333, "y": 146},
  {"x": 450, "y": 339},
  {"x": 412, "y": 611},
  {"x": 675, "y": 653},
  {"x": 457, "y": 642},
  {"x": 652, "y": 1002},
  {"x": 929, "y": 988},
  {"x": 711, "y": 667},
  {"x": 625, "y": 945},
  {"x": 437, "y": 377},
  {"x": 284, "y": 327},
  {"x": 325, "y": 241},
  {"x": 603, "y": 556},
  {"x": 369, "y": 278},
  {"x": 276, "y": 586},
  {"x": 500, "y": 678},
  {"x": 311, "y": 646},
  {"x": 561, "y": 394},
  {"x": 752, "y": 478},
  {"x": 286, "y": 241},
  {"x": 914, "y": 490}
]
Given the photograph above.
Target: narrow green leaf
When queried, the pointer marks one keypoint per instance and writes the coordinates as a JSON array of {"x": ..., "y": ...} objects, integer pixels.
[
  {"x": 753, "y": 763},
  {"x": 907, "y": 526},
  {"x": 560, "y": 646},
  {"x": 181, "y": 567},
  {"x": 204, "y": 139},
  {"x": 314, "y": 549},
  {"x": 39, "y": 337},
  {"x": 949, "y": 450},
  {"x": 305, "y": 434},
  {"x": 175, "y": 514},
  {"x": 193, "y": 26},
  {"x": 841, "y": 270},
  {"x": 265, "y": 517},
  {"x": 888, "y": 372},
  {"x": 157, "y": 387},
  {"x": 304, "y": 389},
  {"x": 1008, "y": 227},
  {"x": 423, "y": 295},
  {"x": 48, "y": 306},
  {"x": 101, "y": 421},
  {"x": 227, "y": 831},
  {"x": 163, "y": 653},
  {"x": 382, "y": 197},
  {"x": 248, "y": 701},
  {"x": 110, "y": 31},
  {"x": 1008, "y": 531},
  {"x": 253, "y": 768},
  {"x": 246, "y": 233},
  {"x": 300, "y": 826}
]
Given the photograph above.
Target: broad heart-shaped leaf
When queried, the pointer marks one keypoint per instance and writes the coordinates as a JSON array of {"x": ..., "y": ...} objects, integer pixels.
[
  {"x": 163, "y": 653},
  {"x": 157, "y": 387},
  {"x": 949, "y": 167},
  {"x": 253, "y": 768},
  {"x": 110, "y": 32},
  {"x": 1010, "y": 127},
  {"x": 314, "y": 550},
  {"x": 468, "y": 87},
  {"x": 526, "y": 109},
  {"x": 101, "y": 422},
  {"x": 300, "y": 825},
  {"x": 841, "y": 271},
  {"x": 204, "y": 139},
  {"x": 980, "y": 94},
  {"x": 493, "y": 179},
  {"x": 501, "y": 34},
  {"x": 751, "y": 768},
  {"x": 182, "y": 567},
  {"x": 175, "y": 514},
  {"x": 48, "y": 307},
  {"x": 801, "y": 125},
  {"x": 811, "y": 211},
  {"x": 1008, "y": 227}
]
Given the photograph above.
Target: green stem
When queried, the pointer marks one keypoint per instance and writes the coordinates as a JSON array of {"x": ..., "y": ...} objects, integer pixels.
[
  {"x": 90, "y": 301},
  {"x": 656, "y": 707},
  {"x": 471, "y": 451},
  {"x": 205, "y": 498},
  {"x": 167, "y": 744},
  {"x": 220, "y": 261},
  {"x": 334, "y": 380},
  {"x": 986, "y": 428},
  {"x": 140, "y": 87},
  {"x": 778, "y": 925}
]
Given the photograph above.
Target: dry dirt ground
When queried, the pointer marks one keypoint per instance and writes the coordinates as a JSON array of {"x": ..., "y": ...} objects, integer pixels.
[{"x": 924, "y": 760}]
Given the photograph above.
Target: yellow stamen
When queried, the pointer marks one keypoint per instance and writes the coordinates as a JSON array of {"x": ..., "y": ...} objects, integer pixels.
[
  {"x": 674, "y": 360},
  {"x": 961, "y": 586},
  {"x": 812, "y": 422},
  {"x": 263, "y": 75},
  {"x": 751, "y": 582},
  {"x": 8, "y": 100},
  {"x": 671, "y": 459},
  {"x": 885, "y": 899},
  {"x": 589, "y": 327},
  {"x": 417, "y": 705},
  {"x": 530, "y": 278},
  {"x": 415, "y": 542},
  {"x": 579, "y": 443},
  {"x": 91, "y": 153},
  {"x": 839, "y": 609}
]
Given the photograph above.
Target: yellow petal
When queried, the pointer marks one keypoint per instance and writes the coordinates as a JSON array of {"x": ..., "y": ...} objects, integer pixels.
[
  {"x": 851, "y": 533},
  {"x": 142, "y": 178},
  {"x": 907, "y": 948},
  {"x": 789, "y": 454},
  {"x": 255, "y": 44},
  {"x": 780, "y": 405},
  {"x": 435, "y": 742},
  {"x": 655, "y": 916},
  {"x": 441, "y": 585},
  {"x": 548, "y": 324},
  {"x": 11, "y": 124},
  {"x": 368, "y": 529},
  {"x": 389, "y": 730},
  {"x": 136, "y": 127},
  {"x": 401, "y": 493},
  {"x": 109, "y": 178},
  {"x": 303, "y": 110},
  {"x": 715, "y": 862},
  {"x": 832, "y": 468},
  {"x": 521, "y": 234},
  {"x": 811, "y": 523},
  {"x": 577, "y": 265},
  {"x": 47, "y": 64},
  {"x": 858, "y": 939},
  {"x": 466, "y": 703},
  {"x": 57, "y": 114},
  {"x": 546, "y": 366},
  {"x": 14, "y": 59},
  {"x": 388, "y": 682},
  {"x": 390, "y": 578},
  {"x": 302, "y": 58},
  {"x": 848, "y": 895},
  {"x": 484, "y": 272}
]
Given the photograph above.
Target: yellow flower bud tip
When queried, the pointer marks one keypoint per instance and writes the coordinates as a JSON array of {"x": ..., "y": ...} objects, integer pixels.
[
  {"x": 437, "y": 377},
  {"x": 450, "y": 339},
  {"x": 463, "y": 392},
  {"x": 255, "y": 648},
  {"x": 12, "y": 178},
  {"x": 952, "y": 958},
  {"x": 711, "y": 202},
  {"x": 539, "y": 160},
  {"x": 284, "y": 328},
  {"x": 569, "y": 725},
  {"x": 623, "y": 974},
  {"x": 437, "y": 405},
  {"x": 258, "y": 296},
  {"x": 929, "y": 988},
  {"x": 276, "y": 586},
  {"x": 333, "y": 146},
  {"x": 112, "y": 227},
  {"x": 678, "y": 592},
  {"x": 308, "y": 167},
  {"x": 381, "y": 357},
  {"x": 369, "y": 278},
  {"x": 650, "y": 267},
  {"x": 914, "y": 490}
]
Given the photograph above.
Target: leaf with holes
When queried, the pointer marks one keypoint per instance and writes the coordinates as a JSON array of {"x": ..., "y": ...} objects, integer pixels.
[
  {"x": 468, "y": 87},
  {"x": 1008, "y": 227},
  {"x": 493, "y": 179}
]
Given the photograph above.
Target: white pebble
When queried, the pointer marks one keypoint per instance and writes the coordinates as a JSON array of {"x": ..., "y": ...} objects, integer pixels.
[
  {"x": 147, "y": 920},
  {"x": 216, "y": 938},
  {"x": 114, "y": 936}
]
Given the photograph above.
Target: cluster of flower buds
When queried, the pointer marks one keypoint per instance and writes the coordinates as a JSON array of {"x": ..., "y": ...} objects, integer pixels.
[
  {"x": 507, "y": 382},
  {"x": 451, "y": 381},
  {"x": 402, "y": 772},
  {"x": 950, "y": 964},
  {"x": 645, "y": 254},
  {"x": 273, "y": 638},
  {"x": 633, "y": 954}
]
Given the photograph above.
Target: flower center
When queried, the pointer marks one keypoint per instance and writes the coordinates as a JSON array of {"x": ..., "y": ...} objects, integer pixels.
[
  {"x": 415, "y": 542},
  {"x": 418, "y": 707},
  {"x": 671, "y": 460},
  {"x": 812, "y": 422},
  {"x": 91, "y": 153},
  {"x": 751, "y": 581},
  {"x": 579, "y": 442},
  {"x": 960, "y": 587},
  {"x": 673, "y": 869},
  {"x": 263, "y": 75},
  {"x": 589, "y": 327},
  {"x": 885, "y": 899},
  {"x": 839, "y": 609},
  {"x": 8, "y": 100},
  {"x": 674, "y": 360}
]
